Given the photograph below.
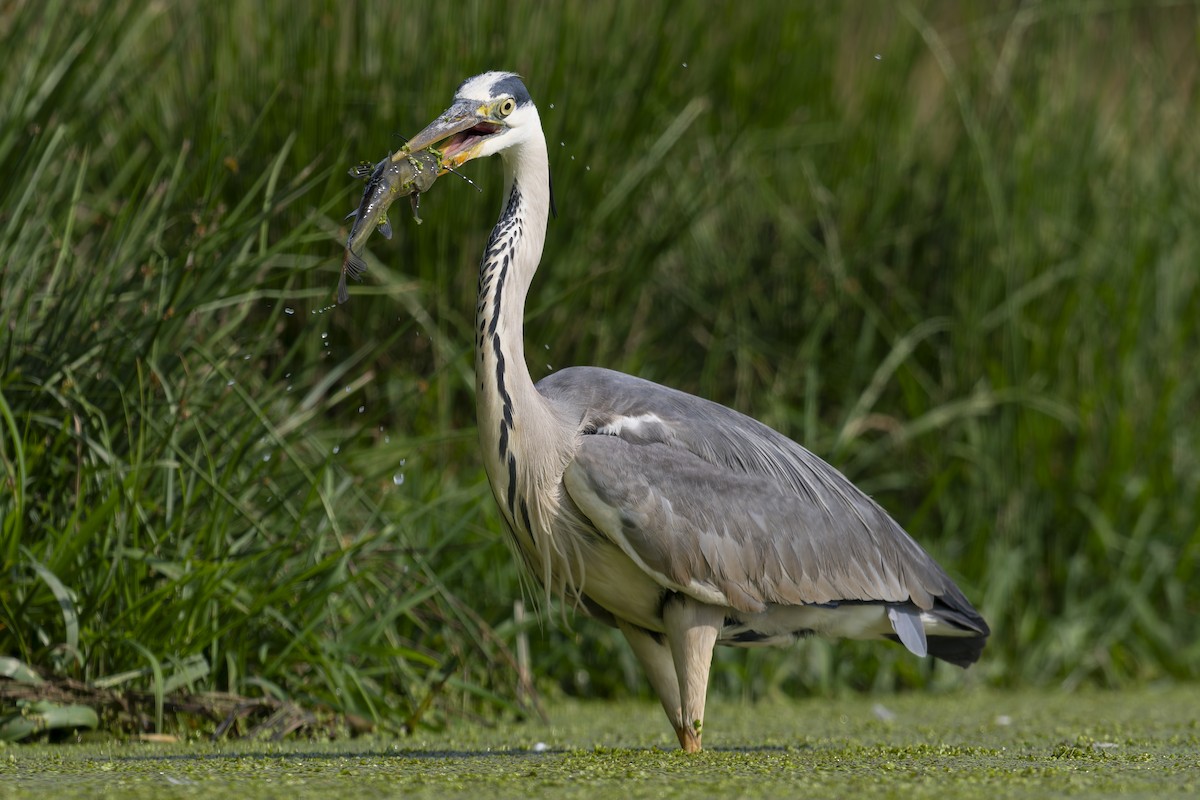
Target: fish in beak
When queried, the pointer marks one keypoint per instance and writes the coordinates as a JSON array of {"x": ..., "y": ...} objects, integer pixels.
[
  {"x": 462, "y": 131},
  {"x": 404, "y": 173}
]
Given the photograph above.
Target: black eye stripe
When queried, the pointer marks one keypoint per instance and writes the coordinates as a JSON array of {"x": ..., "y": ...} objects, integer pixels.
[
  {"x": 511, "y": 85},
  {"x": 498, "y": 87}
]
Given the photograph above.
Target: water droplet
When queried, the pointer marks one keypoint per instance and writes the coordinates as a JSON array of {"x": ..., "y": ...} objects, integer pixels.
[
  {"x": 403, "y": 461},
  {"x": 266, "y": 457},
  {"x": 685, "y": 65},
  {"x": 879, "y": 57},
  {"x": 289, "y": 387},
  {"x": 289, "y": 311},
  {"x": 552, "y": 105},
  {"x": 546, "y": 346},
  {"x": 337, "y": 448},
  {"x": 347, "y": 390},
  {"x": 361, "y": 409},
  {"x": 398, "y": 478},
  {"x": 325, "y": 335},
  {"x": 562, "y": 144},
  {"x": 245, "y": 358},
  {"x": 287, "y": 375},
  {"x": 230, "y": 382}
]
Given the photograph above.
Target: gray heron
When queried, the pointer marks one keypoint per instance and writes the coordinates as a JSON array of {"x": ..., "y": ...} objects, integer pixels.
[{"x": 683, "y": 523}]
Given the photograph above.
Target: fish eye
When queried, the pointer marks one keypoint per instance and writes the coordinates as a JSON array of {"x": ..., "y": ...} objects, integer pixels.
[{"x": 507, "y": 106}]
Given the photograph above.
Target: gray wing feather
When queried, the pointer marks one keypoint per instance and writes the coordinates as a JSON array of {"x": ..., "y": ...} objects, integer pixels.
[
  {"x": 907, "y": 624},
  {"x": 715, "y": 503}
]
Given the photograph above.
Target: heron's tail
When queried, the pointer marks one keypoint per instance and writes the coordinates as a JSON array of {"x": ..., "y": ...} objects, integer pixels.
[{"x": 952, "y": 630}]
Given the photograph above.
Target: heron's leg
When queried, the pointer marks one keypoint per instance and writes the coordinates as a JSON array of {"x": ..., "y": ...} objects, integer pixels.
[
  {"x": 692, "y": 630},
  {"x": 655, "y": 657}
]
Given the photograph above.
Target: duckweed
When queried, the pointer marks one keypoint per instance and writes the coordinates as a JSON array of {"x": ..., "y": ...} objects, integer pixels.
[{"x": 970, "y": 744}]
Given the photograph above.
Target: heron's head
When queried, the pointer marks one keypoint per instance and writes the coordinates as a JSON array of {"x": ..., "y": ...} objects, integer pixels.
[{"x": 491, "y": 113}]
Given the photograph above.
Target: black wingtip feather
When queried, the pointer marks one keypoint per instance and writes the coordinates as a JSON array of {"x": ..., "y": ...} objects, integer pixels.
[{"x": 961, "y": 651}]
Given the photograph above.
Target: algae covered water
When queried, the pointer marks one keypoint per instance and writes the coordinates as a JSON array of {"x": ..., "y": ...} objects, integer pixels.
[{"x": 1144, "y": 742}]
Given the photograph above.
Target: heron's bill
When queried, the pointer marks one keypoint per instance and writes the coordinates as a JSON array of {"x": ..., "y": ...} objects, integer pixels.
[{"x": 458, "y": 133}]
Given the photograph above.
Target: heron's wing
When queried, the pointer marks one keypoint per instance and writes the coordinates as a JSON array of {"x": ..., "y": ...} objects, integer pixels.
[
  {"x": 734, "y": 539},
  {"x": 717, "y": 505}
]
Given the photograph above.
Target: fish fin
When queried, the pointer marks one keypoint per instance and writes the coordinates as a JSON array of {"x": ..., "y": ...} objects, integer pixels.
[
  {"x": 415, "y": 198},
  {"x": 385, "y": 227},
  {"x": 353, "y": 265}
]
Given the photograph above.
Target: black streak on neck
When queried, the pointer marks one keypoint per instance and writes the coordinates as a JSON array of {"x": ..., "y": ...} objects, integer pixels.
[{"x": 497, "y": 259}]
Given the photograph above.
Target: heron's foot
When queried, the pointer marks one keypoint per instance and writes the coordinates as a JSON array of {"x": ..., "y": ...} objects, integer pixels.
[{"x": 689, "y": 738}]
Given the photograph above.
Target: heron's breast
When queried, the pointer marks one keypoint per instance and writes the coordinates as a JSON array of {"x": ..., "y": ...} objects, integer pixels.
[{"x": 612, "y": 580}]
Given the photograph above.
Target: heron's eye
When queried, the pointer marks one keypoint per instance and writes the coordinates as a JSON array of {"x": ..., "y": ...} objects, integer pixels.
[{"x": 507, "y": 106}]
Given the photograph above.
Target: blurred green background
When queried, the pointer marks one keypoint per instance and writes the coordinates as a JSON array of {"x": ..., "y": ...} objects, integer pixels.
[{"x": 950, "y": 247}]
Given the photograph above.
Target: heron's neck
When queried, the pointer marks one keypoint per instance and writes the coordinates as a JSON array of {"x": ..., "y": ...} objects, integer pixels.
[{"x": 516, "y": 426}]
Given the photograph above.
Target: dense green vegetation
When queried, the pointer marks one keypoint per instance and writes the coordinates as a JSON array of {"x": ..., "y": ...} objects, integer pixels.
[{"x": 950, "y": 247}]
